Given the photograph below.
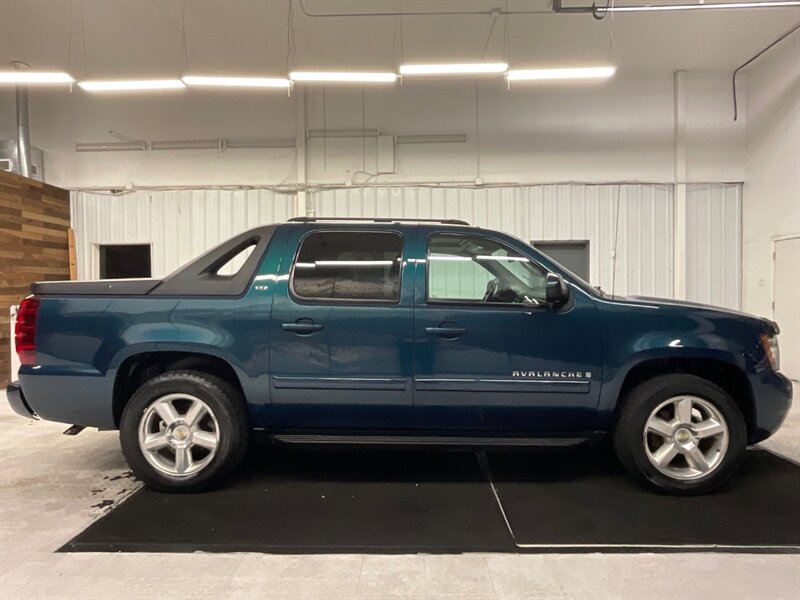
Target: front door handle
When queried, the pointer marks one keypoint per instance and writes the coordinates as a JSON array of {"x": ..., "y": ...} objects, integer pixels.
[
  {"x": 448, "y": 331},
  {"x": 302, "y": 327}
]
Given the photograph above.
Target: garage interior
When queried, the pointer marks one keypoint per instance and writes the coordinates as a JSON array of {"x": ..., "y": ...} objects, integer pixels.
[{"x": 667, "y": 165}]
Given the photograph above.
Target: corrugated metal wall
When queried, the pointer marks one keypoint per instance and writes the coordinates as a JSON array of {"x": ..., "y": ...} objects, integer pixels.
[
  {"x": 714, "y": 243},
  {"x": 629, "y": 226},
  {"x": 636, "y": 219},
  {"x": 179, "y": 224}
]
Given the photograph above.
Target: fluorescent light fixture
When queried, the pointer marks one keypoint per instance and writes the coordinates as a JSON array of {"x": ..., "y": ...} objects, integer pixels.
[
  {"x": 433, "y": 138},
  {"x": 187, "y": 145},
  {"x": 720, "y": 5},
  {"x": 222, "y": 144},
  {"x": 262, "y": 143},
  {"x": 454, "y": 69},
  {"x": 342, "y": 77},
  {"x": 131, "y": 85},
  {"x": 111, "y": 147},
  {"x": 249, "y": 82},
  {"x": 341, "y": 133},
  {"x": 567, "y": 73},
  {"x": 33, "y": 77}
]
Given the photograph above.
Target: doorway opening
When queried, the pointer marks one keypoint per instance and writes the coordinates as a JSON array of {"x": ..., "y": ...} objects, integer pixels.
[
  {"x": 572, "y": 254},
  {"x": 125, "y": 261}
]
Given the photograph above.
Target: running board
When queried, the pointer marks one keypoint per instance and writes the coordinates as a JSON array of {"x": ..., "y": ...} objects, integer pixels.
[{"x": 401, "y": 440}]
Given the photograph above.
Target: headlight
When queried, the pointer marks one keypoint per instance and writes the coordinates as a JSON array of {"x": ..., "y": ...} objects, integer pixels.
[{"x": 771, "y": 349}]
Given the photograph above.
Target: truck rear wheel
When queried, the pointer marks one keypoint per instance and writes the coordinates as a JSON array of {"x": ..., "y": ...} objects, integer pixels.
[
  {"x": 184, "y": 431},
  {"x": 680, "y": 434}
]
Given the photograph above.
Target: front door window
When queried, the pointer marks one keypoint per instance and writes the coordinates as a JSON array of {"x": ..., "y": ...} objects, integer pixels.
[{"x": 474, "y": 269}]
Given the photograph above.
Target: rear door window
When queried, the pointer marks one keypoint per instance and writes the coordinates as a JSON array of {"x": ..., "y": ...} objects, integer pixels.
[{"x": 348, "y": 265}]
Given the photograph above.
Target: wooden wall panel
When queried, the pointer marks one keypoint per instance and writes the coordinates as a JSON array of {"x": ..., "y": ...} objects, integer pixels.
[{"x": 34, "y": 225}]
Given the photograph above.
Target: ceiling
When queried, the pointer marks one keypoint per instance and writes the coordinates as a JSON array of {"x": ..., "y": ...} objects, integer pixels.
[{"x": 142, "y": 38}]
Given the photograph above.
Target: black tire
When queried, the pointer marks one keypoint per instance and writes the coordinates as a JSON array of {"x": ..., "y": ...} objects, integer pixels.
[
  {"x": 637, "y": 407},
  {"x": 228, "y": 408}
]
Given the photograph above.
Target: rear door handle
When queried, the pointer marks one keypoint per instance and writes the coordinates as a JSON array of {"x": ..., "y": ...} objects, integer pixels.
[
  {"x": 446, "y": 332},
  {"x": 302, "y": 327}
]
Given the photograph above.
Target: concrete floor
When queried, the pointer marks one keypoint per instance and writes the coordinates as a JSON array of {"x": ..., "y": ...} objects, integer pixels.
[{"x": 53, "y": 486}]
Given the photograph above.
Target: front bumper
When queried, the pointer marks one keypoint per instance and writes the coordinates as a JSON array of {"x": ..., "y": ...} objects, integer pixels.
[
  {"x": 773, "y": 399},
  {"x": 16, "y": 398}
]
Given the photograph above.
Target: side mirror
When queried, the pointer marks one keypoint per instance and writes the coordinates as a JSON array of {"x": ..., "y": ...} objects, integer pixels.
[{"x": 556, "y": 290}]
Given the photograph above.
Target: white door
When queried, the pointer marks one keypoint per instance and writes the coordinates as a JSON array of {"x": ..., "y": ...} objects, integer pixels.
[{"x": 786, "y": 303}]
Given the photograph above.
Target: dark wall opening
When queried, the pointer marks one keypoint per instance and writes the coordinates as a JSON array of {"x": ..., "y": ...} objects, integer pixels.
[
  {"x": 125, "y": 261},
  {"x": 573, "y": 254}
]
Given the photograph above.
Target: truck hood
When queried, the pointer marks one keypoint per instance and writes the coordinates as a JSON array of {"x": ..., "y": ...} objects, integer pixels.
[{"x": 771, "y": 326}]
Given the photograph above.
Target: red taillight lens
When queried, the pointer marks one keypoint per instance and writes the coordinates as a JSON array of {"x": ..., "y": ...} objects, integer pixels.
[{"x": 25, "y": 331}]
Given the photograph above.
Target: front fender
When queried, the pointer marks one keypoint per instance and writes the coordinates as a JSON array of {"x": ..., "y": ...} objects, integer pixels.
[{"x": 615, "y": 377}]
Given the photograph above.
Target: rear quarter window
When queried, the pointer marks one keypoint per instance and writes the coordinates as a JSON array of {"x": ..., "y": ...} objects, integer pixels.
[{"x": 348, "y": 265}]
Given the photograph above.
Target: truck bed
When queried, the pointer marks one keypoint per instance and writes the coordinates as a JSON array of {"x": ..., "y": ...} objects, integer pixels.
[{"x": 198, "y": 278}]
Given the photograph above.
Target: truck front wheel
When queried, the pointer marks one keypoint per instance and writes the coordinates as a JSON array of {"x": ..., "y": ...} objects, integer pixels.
[
  {"x": 184, "y": 431},
  {"x": 680, "y": 434}
]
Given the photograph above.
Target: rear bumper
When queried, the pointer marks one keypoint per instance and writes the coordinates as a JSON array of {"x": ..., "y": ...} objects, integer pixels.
[
  {"x": 16, "y": 398},
  {"x": 773, "y": 399}
]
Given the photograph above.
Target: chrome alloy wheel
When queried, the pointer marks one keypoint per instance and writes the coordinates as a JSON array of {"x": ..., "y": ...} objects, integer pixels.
[
  {"x": 686, "y": 437},
  {"x": 178, "y": 435}
]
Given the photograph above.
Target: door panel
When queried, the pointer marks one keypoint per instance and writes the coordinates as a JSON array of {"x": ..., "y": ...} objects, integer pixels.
[
  {"x": 340, "y": 363},
  {"x": 516, "y": 368}
]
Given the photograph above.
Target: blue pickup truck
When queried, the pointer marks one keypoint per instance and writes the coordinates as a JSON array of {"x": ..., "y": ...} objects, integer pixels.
[{"x": 393, "y": 332}]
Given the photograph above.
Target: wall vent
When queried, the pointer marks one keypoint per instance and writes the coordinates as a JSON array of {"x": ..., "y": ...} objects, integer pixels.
[{"x": 9, "y": 162}]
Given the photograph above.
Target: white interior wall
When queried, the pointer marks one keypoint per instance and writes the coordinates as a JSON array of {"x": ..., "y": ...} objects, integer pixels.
[
  {"x": 771, "y": 204},
  {"x": 179, "y": 225},
  {"x": 616, "y": 130},
  {"x": 620, "y": 130},
  {"x": 629, "y": 227},
  {"x": 714, "y": 244}
]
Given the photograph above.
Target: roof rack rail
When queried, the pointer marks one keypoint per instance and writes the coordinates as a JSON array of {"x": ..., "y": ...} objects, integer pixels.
[{"x": 376, "y": 220}]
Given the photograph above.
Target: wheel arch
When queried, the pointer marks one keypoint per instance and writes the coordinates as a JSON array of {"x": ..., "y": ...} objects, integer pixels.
[
  {"x": 727, "y": 375},
  {"x": 140, "y": 367}
]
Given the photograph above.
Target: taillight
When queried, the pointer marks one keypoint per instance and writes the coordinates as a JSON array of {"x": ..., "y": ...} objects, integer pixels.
[{"x": 25, "y": 331}]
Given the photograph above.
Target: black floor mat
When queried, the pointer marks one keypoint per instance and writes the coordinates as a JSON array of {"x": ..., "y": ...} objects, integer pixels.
[
  {"x": 338, "y": 501},
  {"x": 588, "y": 502},
  {"x": 404, "y": 502}
]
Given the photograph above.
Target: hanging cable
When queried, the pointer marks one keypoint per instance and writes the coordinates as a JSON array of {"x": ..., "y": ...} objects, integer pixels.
[
  {"x": 600, "y": 13},
  {"x": 477, "y": 134},
  {"x": 184, "y": 47},
  {"x": 612, "y": 44},
  {"x": 83, "y": 35},
  {"x": 363, "y": 131},
  {"x": 69, "y": 39},
  {"x": 507, "y": 37},
  {"x": 291, "y": 49},
  {"x": 402, "y": 36},
  {"x": 743, "y": 65},
  {"x": 614, "y": 251},
  {"x": 495, "y": 15},
  {"x": 397, "y": 25}
]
